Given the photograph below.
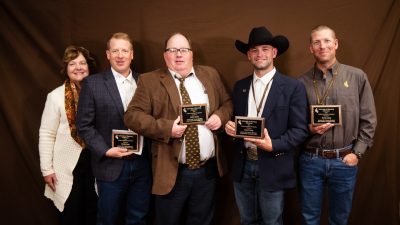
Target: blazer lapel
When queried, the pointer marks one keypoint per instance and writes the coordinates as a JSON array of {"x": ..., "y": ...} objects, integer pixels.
[
  {"x": 113, "y": 91},
  {"x": 244, "y": 97},
  {"x": 170, "y": 86},
  {"x": 273, "y": 95}
]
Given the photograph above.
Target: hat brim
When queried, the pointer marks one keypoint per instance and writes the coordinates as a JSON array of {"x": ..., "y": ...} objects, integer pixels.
[{"x": 281, "y": 43}]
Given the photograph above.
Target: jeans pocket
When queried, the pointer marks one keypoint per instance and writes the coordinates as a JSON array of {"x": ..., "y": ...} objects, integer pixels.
[
  {"x": 307, "y": 158},
  {"x": 340, "y": 162}
]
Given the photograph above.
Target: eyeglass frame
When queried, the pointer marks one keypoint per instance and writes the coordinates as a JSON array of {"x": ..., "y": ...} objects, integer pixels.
[{"x": 176, "y": 50}]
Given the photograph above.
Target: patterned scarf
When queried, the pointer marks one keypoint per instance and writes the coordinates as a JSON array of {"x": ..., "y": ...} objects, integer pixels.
[{"x": 71, "y": 105}]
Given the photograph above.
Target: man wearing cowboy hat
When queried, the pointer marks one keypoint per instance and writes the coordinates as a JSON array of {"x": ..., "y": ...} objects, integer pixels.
[{"x": 263, "y": 168}]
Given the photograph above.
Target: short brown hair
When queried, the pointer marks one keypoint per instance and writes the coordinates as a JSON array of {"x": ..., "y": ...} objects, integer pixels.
[
  {"x": 119, "y": 35},
  {"x": 322, "y": 27},
  {"x": 72, "y": 52}
]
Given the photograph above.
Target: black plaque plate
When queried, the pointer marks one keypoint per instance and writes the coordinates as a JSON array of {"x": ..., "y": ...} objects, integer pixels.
[
  {"x": 249, "y": 127},
  {"x": 125, "y": 139},
  {"x": 193, "y": 114},
  {"x": 321, "y": 114}
]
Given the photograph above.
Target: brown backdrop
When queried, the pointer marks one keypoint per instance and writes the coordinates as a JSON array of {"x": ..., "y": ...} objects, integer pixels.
[{"x": 34, "y": 34}]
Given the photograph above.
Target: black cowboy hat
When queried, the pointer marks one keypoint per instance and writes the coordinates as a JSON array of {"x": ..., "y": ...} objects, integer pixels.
[{"x": 262, "y": 36}]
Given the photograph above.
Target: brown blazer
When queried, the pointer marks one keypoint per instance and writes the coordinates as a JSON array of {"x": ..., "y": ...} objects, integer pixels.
[{"x": 153, "y": 110}]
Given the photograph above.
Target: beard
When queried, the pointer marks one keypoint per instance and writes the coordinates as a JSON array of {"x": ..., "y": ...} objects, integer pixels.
[{"x": 262, "y": 66}]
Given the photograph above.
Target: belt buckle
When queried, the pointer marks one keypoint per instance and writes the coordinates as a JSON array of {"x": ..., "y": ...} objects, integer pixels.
[
  {"x": 329, "y": 154},
  {"x": 251, "y": 153},
  {"x": 202, "y": 163}
]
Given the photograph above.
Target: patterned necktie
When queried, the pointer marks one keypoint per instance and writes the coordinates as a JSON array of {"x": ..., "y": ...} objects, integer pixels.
[{"x": 191, "y": 133}]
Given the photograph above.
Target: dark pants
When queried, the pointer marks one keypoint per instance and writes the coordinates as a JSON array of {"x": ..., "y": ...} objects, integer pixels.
[
  {"x": 192, "y": 200},
  {"x": 81, "y": 205},
  {"x": 130, "y": 193}
]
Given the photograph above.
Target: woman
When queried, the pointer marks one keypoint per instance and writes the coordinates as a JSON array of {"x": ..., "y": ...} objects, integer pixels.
[{"x": 64, "y": 161}]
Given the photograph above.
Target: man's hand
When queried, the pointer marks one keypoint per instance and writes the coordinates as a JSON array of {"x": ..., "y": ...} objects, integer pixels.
[
  {"x": 264, "y": 143},
  {"x": 177, "y": 130},
  {"x": 230, "y": 128},
  {"x": 117, "y": 152},
  {"x": 320, "y": 129},
  {"x": 213, "y": 122},
  {"x": 51, "y": 180},
  {"x": 350, "y": 159}
]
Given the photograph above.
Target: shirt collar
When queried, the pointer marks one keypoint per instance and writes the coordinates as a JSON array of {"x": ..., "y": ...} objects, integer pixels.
[
  {"x": 266, "y": 77},
  {"x": 173, "y": 73},
  {"x": 119, "y": 77},
  {"x": 319, "y": 74}
]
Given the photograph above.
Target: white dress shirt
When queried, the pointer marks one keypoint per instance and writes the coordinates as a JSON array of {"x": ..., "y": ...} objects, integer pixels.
[
  {"x": 259, "y": 85},
  {"x": 198, "y": 95},
  {"x": 127, "y": 87}
]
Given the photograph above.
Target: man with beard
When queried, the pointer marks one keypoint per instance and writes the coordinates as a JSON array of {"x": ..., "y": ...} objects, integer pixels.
[{"x": 263, "y": 167}]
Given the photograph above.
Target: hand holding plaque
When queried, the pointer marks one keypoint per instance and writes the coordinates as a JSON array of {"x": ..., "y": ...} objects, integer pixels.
[
  {"x": 321, "y": 114},
  {"x": 249, "y": 127},
  {"x": 126, "y": 139},
  {"x": 193, "y": 114}
]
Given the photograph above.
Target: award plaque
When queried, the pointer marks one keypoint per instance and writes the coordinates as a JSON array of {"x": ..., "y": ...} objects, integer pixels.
[
  {"x": 321, "y": 114},
  {"x": 249, "y": 127},
  {"x": 125, "y": 139},
  {"x": 193, "y": 114}
]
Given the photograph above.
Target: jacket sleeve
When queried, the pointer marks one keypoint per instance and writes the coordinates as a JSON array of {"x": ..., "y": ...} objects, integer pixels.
[
  {"x": 368, "y": 119},
  {"x": 47, "y": 134},
  {"x": 139, "y": 118},
  {"x": 297, "y": 128},
  {"x": 85, "y": 122}
]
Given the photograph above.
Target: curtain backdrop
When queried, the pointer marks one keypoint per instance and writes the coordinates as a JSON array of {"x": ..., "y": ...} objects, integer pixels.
[{"x": 34, "y": 34}]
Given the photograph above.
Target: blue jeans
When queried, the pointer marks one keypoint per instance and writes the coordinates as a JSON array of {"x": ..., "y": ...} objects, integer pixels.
[
  {"x": 130, "y": 192},
  {"x": 257, "y": 206},
  {"x": 316, "y": 173}
]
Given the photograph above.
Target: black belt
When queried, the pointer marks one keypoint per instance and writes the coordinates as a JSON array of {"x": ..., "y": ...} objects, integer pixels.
[
  {"x": 251, "y": 153},
  {"x": 329, "y": 153},
  {"x": 202, "y": 163}
]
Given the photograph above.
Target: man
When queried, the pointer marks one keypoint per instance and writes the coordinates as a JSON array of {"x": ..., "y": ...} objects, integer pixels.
[
  {"x": 123, "y": 178},
  {"x": 263, "y": 168},
  {"x": 185, "y": 166},
  {"x": 330, "y": 156}
]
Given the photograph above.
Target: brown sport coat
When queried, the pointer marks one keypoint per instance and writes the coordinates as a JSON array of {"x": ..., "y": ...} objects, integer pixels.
[{"x": 153, "y": 110}]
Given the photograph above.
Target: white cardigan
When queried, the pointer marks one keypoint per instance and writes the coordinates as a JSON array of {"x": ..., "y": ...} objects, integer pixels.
[{"x": 59, "y": 152}]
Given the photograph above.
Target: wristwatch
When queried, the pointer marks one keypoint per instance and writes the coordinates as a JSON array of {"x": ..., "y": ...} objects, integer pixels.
[{"x": 358, "y": 154}]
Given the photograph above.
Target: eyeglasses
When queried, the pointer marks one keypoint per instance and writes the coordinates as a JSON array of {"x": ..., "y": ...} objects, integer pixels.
[
  {"x": 176, "y": 50},
  {"x": 123, "y": 52},
  {"x": 74, "y": 64}
]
